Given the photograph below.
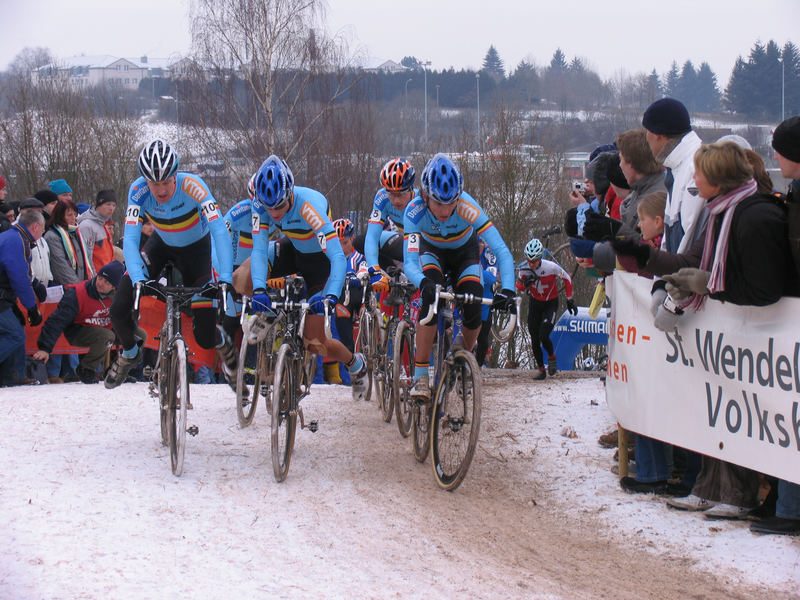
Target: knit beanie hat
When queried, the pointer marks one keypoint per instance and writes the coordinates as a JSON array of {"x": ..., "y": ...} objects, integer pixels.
[
  {"x": 786, "y": 139},
  {"x": 2, "y": 183},
  {"x": 46, "y": 196},
  {"x": 60, "y": 186},
  {"x": 615, "y": 174},
  {"x": 112, "y": 272},
  {"x": 667, "y": 116},
  {"x": 104, "y": 196}
]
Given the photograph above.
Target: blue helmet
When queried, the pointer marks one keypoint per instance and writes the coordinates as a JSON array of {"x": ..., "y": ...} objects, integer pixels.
[
  {"x": 441, "y": 180},
  {"x": 274, "y": 182}
]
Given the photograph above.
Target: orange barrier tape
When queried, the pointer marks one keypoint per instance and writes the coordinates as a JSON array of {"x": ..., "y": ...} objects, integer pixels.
[
  {"x": 32, "y": 334},
  {"x": 153, "y": 313}
]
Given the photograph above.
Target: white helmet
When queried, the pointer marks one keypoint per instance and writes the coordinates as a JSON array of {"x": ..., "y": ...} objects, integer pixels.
[
  {"x": 534, "y": 250},
  {"x": 158, "y": 161}
]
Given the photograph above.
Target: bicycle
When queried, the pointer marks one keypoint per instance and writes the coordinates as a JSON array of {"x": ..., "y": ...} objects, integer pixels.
[
  {"x": 169, "y": 378},
  {"x": 293, "y": 371},
  {"x": 368, "y": 341},
  {"x": 256, "y": 367},
  {"x": 451, "y": 422},
  {"x": 399, "y": 338}
]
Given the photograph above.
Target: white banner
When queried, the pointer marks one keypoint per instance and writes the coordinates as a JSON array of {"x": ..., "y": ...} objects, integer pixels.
[{"x": 725, "y": 383}]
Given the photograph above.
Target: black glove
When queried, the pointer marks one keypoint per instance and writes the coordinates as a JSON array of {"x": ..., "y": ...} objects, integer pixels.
[
  {"x": 599, "y": 228},
  {"x": 505, "y": 300},
  {"x": 634, "y": 249},
  {"x": 18, "y": 313},
  {"x": 39, "y": 289},
  {"x": 34, "y": 317},
  {"x": 573, "y": 310},
  {"x": 427, "y": 290}
]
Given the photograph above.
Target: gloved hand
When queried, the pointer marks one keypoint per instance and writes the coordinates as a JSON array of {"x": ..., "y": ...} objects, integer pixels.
[
  {"x": 632, "y": 248},
  {"x": 34, "y": 317},
  {"x": 427, "y": 290},
  {"x": 665, "y": 320},
  {"x": 317, "y": 304},
  {"x": 378, "y": 279},
  {"x": 276, "y": 283},
  {"x": 573, "y": 310},
  {"x": 599, "y": 228},
  {"x": 210, "y": 290},
  {"x": 657, "y": 299},
  {"x": 505, "y": 300},
  {"x": 260, "y": 300},
  {"x": 687, "y": 281},
  {"x": 39, "y": 289}
]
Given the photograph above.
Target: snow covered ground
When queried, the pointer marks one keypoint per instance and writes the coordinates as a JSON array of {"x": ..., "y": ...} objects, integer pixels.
[{"x": 90, "y": 509}]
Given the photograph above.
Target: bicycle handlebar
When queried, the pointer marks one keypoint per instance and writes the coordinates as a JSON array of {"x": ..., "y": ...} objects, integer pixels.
[{"x": 468, "y": 299}]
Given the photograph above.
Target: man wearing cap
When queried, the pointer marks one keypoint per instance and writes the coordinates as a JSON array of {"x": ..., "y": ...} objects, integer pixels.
[
  {"x": 61, "y": 189},
  {"x": 673, "y": 143},
  {"x": 97, "y": 228},
  {"x": 15, "y": 284},
  {"x": 49, "y": 199},
  {"x": 40, "y": 251},
  {"x": 83, "y": 317}
]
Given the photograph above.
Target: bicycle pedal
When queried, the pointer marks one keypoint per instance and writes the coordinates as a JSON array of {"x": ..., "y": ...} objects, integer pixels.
[
  {"x": 313, "y": 426},
  {"x": 193, "y": 430}
]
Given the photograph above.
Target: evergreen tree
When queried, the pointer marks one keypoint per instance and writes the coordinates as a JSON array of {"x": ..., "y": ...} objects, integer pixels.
[
  {"x": 654, "y": 90},
  {"x": 576, "y": 66},
  {"x": 493, "y": 64},
  {"x": 790, "y": 58},
  {"x": 736, "y": 98},
  {"x": 707, "y": 94},
  {"x": 411, "y": 62},
  {"x": 525, "y": 80},
  {"x": 558, "y": 64},
  {"x": 686, "y": 86},
  {"x": 671, "y": 80}
]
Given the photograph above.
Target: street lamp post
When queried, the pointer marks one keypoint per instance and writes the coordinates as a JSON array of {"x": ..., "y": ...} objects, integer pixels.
[
  {"x": 407, "y": 82},
  {"x": 425, "y": 76},
  {"x": 437, "y": 96},
  {"x": 478, "y": 85}
]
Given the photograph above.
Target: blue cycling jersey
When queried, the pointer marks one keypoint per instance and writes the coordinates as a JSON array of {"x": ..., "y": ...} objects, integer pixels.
[
  {"x": 185, "y": 218},
  {"x": 238, "y": 220},
  {"x": 382, "y": 210},
  {"x": 468, "y": 217},
  {"x": 308, "y": 228}
]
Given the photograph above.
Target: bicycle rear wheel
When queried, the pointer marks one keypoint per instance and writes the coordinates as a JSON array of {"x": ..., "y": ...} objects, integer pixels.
[
  {"x": 249, "y": 380},
  {"x": 363, "y": 345},
  {"x": 161, "y": 380},
  {"x": 456, "y": 419},
  {"x": 284, "y": 414},
  {"x": 178, "y": 401},
  {"x": 403, "y": 376}
]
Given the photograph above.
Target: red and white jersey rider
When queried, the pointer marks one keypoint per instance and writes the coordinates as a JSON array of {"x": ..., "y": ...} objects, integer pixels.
[{"x": 542, "y": 282}]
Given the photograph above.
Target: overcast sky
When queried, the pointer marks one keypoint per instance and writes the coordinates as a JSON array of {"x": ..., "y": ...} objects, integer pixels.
[{"x": 611, "y": 35}]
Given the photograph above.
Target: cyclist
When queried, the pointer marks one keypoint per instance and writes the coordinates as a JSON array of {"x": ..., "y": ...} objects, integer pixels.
[
  {"x": 309, "y": 247},
  {"x": 185, "y": 216},
  {"x": 539, "y": 278},
  {"x": 441, "y": 237},
  {"x": 383, "y": 247}
]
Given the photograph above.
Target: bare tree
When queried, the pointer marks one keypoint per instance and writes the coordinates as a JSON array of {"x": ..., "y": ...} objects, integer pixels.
[{"x": 274, "y": 80}]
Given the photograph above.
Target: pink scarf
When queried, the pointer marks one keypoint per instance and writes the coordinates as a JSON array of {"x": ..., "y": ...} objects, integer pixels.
[{"x": 715, "y": 259}]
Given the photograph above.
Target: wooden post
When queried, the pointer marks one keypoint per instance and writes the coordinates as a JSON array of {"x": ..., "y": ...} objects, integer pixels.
[{"x": 622, "y": 451}]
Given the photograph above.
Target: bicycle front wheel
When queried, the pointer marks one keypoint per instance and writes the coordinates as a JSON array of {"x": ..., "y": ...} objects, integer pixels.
[
  {"x": 178, "y": 402},
  {"x": 403, "y": 376},
  {"x": 161, "y": 381},
  {"x": 456, "y": 419},
  {"x": 249, "y": 381},
  {"x": 364, "y": 345},
  {"x": 380, "y": 379},
  {"x": 284, "y": 414}
]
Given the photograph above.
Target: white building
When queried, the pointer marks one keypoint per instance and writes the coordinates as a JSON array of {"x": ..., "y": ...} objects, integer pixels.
[{"x": 88, "y": 71}]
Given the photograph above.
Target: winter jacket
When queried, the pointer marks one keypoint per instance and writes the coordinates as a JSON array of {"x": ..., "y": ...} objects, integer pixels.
[
  {"x": 98, "y": 237},
  {"x": 40, "y": 261},
  {"x": 683, "y": 209},
  {"x": 759, "y": 268},
  {"x": 63, "y": 272},
  {"x": 80, "y": 306},
  {"x": 15, "y": 276}
]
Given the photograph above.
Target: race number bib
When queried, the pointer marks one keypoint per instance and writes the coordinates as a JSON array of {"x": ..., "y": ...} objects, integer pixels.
[
  {"x": 132, "y": 215},
  {"x": 209, "y": 210},
  {"x": 255, "y": 223},
  {"x": 413, "y": 242},
  {"x": 375, "y": 217},
  {"x": 323, "y": 241}
]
